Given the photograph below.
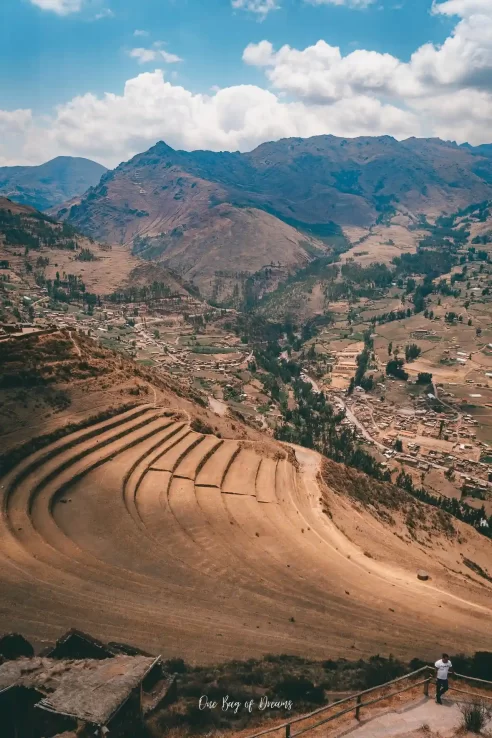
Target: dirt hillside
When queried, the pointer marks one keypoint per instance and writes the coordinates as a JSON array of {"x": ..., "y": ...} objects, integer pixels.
[
  {"x": 37, "y": 248},
  {"x": 204, "y": 540}
]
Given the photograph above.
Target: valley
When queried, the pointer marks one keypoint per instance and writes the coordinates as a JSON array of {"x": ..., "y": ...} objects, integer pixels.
[{"x": 284, "y": 455}]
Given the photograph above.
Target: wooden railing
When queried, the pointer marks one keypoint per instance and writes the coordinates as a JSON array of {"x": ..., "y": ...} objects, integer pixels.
[
  {"x": 472, "y": 694},
  {"x": 360, "y": 703}
]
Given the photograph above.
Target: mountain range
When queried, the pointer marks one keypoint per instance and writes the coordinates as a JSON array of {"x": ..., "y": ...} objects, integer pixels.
[
  {"x": 211, "y": 215},
  {"x": 215, "y": 218},
  {"x": 51, "y": 183}
]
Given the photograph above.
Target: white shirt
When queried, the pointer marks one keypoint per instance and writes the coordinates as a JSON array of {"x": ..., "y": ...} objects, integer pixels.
[{"x": 443, "y": 668}]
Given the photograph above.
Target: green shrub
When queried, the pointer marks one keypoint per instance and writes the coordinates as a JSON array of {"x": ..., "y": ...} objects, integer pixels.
[
  {"x": 176, "y": 666},
  {"x": 476, "y": 715},
  {"x": 299, "y": 689},
  {"x": 201, "y": 720},
  {"x": 199, "y": 426},
  {"x": 381, "y": 670}
]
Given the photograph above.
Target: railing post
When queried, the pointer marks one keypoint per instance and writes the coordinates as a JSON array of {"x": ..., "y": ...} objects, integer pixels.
[
  {"x": 287, "y": 731},
  {"x": 426, "y": 687},
  {"x": 358, "y": 706}
]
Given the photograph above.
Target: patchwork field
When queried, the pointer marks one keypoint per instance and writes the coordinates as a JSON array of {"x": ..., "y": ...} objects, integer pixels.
[{"x": 140, "y": 529}]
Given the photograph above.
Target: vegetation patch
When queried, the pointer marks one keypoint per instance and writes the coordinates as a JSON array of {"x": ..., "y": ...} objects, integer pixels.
[
  {"x": 477, "y": 569},
  {"x": 13, "y": 457}
]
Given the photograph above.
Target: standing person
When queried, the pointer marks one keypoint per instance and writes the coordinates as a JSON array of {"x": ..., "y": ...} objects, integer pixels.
[{"x": 443, "y": 667}]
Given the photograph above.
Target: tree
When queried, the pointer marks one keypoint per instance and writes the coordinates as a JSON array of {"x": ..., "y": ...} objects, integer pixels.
[
  {"x": 470, "y": 321},
  {"x": 411, "y": 284},
  {"x": 398, "y": 445},
  {"x": 412, "y": 351},
  {"x": 394, "y": 368},
  {"x": 367, "y": 383},
  {"x": 390, "y": 348},
  {"x": 424, "y": 378}
]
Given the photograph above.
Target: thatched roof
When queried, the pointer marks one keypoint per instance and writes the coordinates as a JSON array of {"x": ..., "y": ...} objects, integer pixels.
[
  {"x": 75, "y": 644},
  {"x": 89, "y": 690}
]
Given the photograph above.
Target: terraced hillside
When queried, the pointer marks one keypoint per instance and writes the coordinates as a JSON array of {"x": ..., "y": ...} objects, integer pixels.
[{"x": 137, "y": 528}]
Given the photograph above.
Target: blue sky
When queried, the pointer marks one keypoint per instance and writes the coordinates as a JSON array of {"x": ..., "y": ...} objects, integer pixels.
[
  {"x": 46, "y": 58},
  {"x": 71, "y": 70}
]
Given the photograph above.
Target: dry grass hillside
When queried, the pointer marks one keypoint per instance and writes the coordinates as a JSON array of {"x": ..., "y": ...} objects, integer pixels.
[
  {"x": 212, "y": 253},
  {"x": 62, "y": 377},
  {"x": 165, "y": 214},
  {"x": 34, "y": 244},
  {"x": 142, "y": 518}
]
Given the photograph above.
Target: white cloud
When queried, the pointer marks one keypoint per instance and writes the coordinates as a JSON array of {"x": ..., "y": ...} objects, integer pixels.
[
  {"x": 104, "y": 13},
  {"x": 144, "y": 56},
  {"x": 15, "y": 120},
  {"x": 258, "y": 7},
  {"x": 347, "y": 3},
  {"x": 263, "y": 7},
  {"x": 321, "y": 74},
  {"x": 113, "y": 128},
  {"x": 14, "y": 131},
  {"x": 259, "y": 55},
  {"x": 65, "y": 7},
  {"x": 61, "y": 7},
  {"x": 443, "y": 90},
  {"x": 463, "y": 60},
  {"x": 462, "y": 8},
  {"x": 465, "y": 115},
  {"x": 138, "y": 32}
]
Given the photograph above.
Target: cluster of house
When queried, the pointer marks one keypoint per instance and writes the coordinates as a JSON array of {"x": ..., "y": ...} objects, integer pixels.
[
  {"x": 81, "y": 687},
  {"x": 386, "y": 422}
]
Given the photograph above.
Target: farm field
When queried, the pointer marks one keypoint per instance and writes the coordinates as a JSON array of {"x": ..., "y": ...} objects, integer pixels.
[{"x": 140, "y": 529}]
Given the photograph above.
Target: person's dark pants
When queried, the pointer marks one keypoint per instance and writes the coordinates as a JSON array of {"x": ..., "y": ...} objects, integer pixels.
[{"x": 442, "y": 686}]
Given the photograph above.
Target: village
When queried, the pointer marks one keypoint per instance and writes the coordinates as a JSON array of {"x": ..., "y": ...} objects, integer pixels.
[
  {"x": 422, "y": 430},
  {"x": 409, "y": 426}
]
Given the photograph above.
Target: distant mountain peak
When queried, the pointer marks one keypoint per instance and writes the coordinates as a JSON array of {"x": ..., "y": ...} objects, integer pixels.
[
  {"x": 161, "y": 147},
  {"x": 44, "y": 186}
]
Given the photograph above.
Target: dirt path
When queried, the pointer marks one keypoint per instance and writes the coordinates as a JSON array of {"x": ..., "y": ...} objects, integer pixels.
[
  {"x": 353, "y": 419},
  {"x": 306, "y": 378},
  {"x": 445, "y": 719},
  {"x": 75, "y": 344},
  {"x": 217, "y": 406}
]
